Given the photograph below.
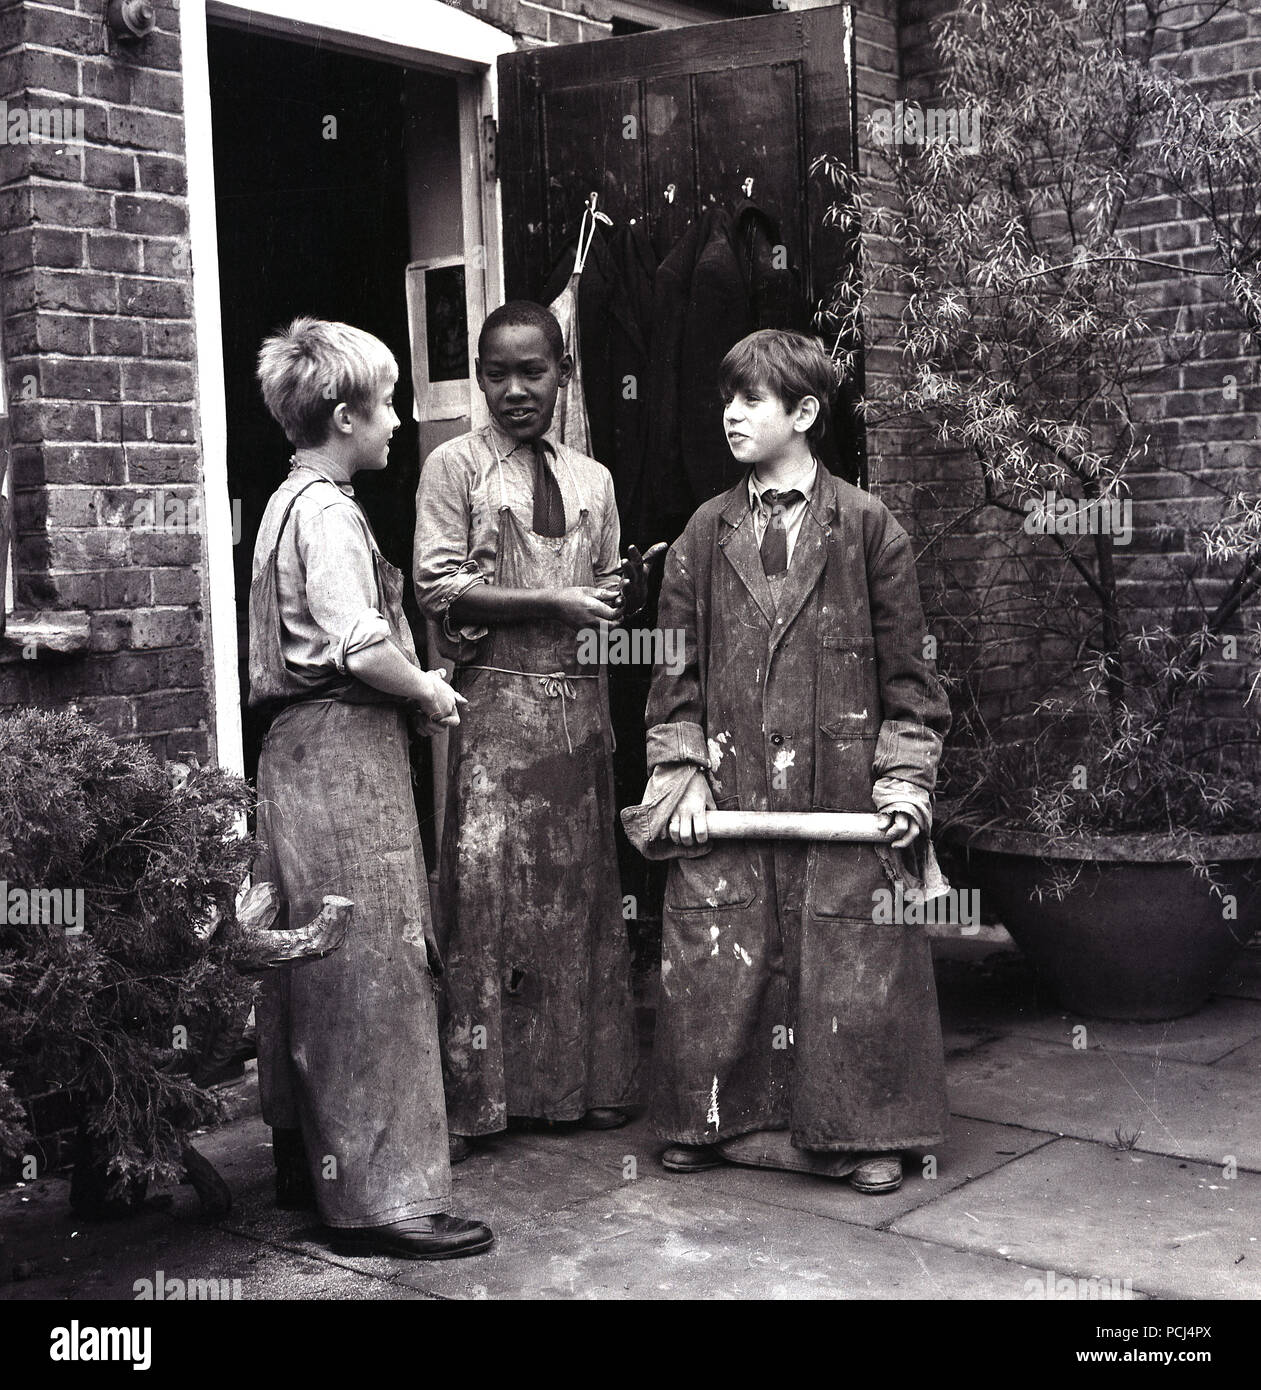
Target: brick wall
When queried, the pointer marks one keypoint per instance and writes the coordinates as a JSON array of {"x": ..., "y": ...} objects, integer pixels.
[
  {"x": 96, "y": 290},
  {"x": 1193, "y": 427}
]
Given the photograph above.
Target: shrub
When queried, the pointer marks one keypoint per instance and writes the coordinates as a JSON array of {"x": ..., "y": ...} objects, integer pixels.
[{"x": 158, "y": 855}]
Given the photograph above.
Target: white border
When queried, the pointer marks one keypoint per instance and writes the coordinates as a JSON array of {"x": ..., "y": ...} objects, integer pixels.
[{"x": 424, "y": 34}]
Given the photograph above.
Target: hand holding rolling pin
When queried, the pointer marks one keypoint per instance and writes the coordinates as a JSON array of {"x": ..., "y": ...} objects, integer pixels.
[
  {"x": 688, "y": 823},
  {"x": 901, "y": 827}
]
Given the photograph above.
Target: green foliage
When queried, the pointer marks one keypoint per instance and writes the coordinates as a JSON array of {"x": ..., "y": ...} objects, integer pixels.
[
  {"x": 158, "y": 855},
  {"x": 1016, "y": 290}
]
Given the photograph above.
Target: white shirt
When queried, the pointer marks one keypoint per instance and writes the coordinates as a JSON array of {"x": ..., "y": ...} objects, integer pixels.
[{"x": 792, "y": 516}]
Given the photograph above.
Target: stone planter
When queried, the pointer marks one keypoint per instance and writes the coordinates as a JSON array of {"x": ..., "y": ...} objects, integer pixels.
[{"x": 1140, "y": 935}]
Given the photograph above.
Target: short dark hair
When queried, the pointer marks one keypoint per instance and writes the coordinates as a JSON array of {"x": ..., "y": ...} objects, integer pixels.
[
  {"x": 523, "y": 313},
  {"x": 791, "y": 365}
]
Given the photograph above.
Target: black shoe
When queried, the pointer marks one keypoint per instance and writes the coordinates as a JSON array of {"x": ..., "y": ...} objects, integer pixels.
[
  {"x": 460, "y": 1148},
  {"x": 437, "y": 1237},
  {"x": 605, "y": 1117},
  {"x": 691, "y": 1158},
  {"x": 294, "y": 1190}
]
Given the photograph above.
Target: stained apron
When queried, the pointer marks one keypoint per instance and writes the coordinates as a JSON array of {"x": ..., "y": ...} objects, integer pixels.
[
  {"x": 348, "y": 1045},
  {"x": 536, "y": 1007}
]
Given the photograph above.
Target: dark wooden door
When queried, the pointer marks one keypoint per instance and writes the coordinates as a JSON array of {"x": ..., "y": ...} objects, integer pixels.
[{"x": 700, "y": 109}]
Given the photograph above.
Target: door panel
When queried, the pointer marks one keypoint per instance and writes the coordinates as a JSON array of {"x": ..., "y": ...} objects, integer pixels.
[
  {"x": 701, "y": 109},
  {"x": 712, "y": 105}
]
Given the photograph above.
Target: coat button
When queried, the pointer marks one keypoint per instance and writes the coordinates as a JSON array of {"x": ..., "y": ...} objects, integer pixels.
[{"x": 777, "y": 739}]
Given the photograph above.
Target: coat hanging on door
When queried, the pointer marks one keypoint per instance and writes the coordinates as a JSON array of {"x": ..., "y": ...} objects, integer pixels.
[
  {"x": 615, "y": 326},
  {"x": 569, "y": 422},
  {"x": 726, "y": 276}
]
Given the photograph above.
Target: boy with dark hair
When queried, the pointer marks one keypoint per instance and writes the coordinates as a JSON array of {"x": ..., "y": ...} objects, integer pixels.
[
  {"x": 516, "y": 552},
  {"x": 793, "y": 1030}
]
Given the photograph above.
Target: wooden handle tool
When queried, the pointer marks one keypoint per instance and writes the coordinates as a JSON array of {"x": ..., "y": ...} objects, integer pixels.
[{"x": 856, "y": 827}]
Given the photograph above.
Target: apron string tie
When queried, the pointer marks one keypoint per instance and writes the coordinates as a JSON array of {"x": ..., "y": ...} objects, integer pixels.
[{"x": 555, "y": 684}]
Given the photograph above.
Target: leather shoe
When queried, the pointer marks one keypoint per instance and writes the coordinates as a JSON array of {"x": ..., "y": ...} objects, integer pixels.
[
  {"x": 437, "y": 1237},
  {"x": 460, "y": 1148},
  {"x": 691, "y": 1158},
  {"x": 882, "y": 1173},
  {"x": 605, "y": 1117}
]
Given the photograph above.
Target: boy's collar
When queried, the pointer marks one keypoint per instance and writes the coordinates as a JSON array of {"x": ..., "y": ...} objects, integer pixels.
[
  {"x": 507, "y": 445},
  {"x": 822, "y": 503},
  {"x": 329, "y": 470},
  {"x": 805, "y": 483}
]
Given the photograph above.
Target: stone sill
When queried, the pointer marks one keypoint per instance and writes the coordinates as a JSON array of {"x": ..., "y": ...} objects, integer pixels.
[{"x": 63, "y": 633}]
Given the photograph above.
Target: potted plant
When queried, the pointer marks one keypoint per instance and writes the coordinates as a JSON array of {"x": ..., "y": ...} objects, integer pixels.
[
  {"x": 114, "y": 870},
  {"x": 1095, "y": 574}
]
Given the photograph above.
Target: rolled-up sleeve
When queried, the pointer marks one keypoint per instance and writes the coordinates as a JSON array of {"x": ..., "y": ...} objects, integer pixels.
[
  {"x": 341, "y": 587},
  {"x": 442, "y": 566}
]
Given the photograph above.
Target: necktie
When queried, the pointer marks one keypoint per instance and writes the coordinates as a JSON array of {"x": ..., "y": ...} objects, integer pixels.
[
  {"x": 775, "y": 538},
  {"x": 549, "y": 507}
]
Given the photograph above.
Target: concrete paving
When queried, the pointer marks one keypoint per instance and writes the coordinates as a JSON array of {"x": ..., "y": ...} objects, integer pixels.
[{"x": 1119, "y": 1161}]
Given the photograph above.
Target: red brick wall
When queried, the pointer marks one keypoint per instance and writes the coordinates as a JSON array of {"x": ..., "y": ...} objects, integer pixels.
[{"x": 96, "y": 292}]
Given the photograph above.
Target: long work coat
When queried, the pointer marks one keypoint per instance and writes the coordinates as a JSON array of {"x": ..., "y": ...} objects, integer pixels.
[{"x": 783, "y": 1003}]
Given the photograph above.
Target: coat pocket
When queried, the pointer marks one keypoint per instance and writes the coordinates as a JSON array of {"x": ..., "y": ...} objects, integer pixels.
[
  {"x": 845, "y": 881},
  {"x": 842, "y": 771},
  {"x": 848, "y": 692},
  {"x": 722, "y": 879}
]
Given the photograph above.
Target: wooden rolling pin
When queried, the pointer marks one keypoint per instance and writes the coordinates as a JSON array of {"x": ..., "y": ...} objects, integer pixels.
[{"x": 858, "y": 827}]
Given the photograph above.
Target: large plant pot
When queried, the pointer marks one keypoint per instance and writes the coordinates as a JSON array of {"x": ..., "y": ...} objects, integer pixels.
[{"x": 1140, "y": 935}]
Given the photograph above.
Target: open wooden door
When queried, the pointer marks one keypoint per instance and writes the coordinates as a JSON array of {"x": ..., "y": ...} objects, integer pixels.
[{"x": 696, "y": 110}]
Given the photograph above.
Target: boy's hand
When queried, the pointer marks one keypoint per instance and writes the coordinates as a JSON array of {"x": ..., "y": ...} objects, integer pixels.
[
  {"x": 586, "y": 606},
  {"x": 688, "y": 825},
  {"x": 440, "y": 703},
  {"x": 905, "y": 826},
  {"x": 635, "y": 576}
]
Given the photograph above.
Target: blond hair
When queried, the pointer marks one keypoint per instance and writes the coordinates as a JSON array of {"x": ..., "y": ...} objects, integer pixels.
[{"x": 307, "y": 369}]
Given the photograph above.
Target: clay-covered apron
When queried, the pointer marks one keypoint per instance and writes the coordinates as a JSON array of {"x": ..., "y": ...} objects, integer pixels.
[
  {"x": 348, "y": 1045},
  {"x": 536, "y": 998}
]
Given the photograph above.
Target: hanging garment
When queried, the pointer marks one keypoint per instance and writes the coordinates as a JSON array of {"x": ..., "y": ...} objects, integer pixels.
[
  {"x": 569, "y": 420},
  {"x": 785, "y": 1003},
  {"x": 615, "y": 323},
  {"x": 537, "y": 1014},
  {"x": 724, "y": 279},
  {"x": 348, "y": 1045}
]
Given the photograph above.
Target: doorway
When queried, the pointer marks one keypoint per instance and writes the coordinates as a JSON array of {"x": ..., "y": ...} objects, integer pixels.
[{"x": 328, "y": 176}]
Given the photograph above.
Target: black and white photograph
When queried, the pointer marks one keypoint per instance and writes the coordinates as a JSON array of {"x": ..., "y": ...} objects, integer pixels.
[{"x": 630, "y": 669}]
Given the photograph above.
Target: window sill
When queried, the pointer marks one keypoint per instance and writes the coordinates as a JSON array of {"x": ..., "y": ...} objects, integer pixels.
[{"x": 30, "y": 634}]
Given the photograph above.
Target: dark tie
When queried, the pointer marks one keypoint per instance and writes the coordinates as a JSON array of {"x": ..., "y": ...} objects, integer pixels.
[
  {"x": 549, "y": 507},
  {"x": 775, "y": 538}
]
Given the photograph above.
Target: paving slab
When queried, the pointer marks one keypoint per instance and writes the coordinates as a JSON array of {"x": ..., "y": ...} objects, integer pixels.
[
  {"x": 1082, "y": 1211},
  {"x": 652, "y": 1239},
  {"x": 972, "y": 1148},
  {"x": 1246, "y": 1058},
  {"x": 1221, "y": 1026},
  {"x": 61, "y": 1257},
  {"x": 1176, "y": 1108}
]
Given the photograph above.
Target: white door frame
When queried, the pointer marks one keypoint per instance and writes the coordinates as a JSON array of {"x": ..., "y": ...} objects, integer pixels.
[{"x": 423, "y": 34}]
